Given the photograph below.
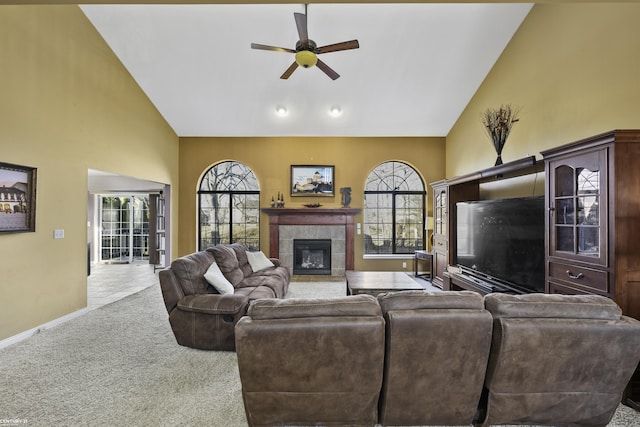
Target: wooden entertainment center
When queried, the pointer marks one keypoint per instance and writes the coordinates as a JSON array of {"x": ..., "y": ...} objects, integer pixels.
[
  {"x": 464, "y": 188},
  {"x": 592, "y": 226}
]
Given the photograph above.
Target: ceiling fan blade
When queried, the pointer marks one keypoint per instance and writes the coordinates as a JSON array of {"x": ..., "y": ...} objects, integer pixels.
[
  {"x": 273, "y": 48},
  {"x": 352, "y": 44},
  {"x": 301, "y": 23},
  {"x": 327, "y": 70},
  {"x": 289, "y": 71}
]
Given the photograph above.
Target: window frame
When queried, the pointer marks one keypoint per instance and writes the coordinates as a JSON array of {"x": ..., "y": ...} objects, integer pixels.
[
  {"x": 395, "y": 193},
  {"x": 229, "y": 194}
]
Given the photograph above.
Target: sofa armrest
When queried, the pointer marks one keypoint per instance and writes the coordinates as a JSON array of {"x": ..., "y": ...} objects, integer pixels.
[
  {"x": 214, "y": 303},
  {"x": 276, "y": 262}
]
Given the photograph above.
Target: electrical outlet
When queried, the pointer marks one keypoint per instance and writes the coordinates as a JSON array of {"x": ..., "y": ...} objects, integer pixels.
[{"x": 404, "y": 265}]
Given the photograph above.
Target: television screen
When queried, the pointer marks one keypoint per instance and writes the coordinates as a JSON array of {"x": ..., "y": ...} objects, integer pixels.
[{"x": 503, "y": 241}]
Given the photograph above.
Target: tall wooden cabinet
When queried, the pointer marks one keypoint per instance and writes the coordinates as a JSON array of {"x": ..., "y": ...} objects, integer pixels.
[
  {"x": 593, "y": 221},
  {"x": 439, "y": 244}
]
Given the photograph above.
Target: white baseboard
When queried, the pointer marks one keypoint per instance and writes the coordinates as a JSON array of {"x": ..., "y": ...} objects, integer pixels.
[{"x": 31, "y": 332}]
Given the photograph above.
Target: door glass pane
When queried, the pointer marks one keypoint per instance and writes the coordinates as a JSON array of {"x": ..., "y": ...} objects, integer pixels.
[
  {"x": 588, "y": 241},
  {"x": 565, "y": 184},
  {"x": 124, "y": 228},
  {"x": 564, "y": 239},
  {"x": 564, "y": 212},
  {"x": 588, "y": 210},
  {"x": 140, "y": 232},
  {"x": 114, "y": 237},
  {"x": 588, "y": 182}
]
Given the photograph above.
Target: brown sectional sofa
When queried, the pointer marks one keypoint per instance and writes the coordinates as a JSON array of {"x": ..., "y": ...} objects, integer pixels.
[
  {"x": 451, "y": 358},
  {"x": 426, "y": 382},
  {"x": 202, "y": 318},
  {"x": 311, "y": 362},
  {"x": 557, "y": 359}
]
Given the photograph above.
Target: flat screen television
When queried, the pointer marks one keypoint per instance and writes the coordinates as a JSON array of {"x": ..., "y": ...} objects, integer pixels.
[{"x": 502, "y": 241}]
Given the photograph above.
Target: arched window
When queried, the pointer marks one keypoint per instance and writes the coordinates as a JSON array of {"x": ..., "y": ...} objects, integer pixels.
[
  {"x": 229, "y": 206},
  {"x": 394, "y": 210}
]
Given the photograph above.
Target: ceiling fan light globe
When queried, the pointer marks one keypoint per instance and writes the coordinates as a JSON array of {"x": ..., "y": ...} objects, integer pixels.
[{"x": 306, "y": 59}]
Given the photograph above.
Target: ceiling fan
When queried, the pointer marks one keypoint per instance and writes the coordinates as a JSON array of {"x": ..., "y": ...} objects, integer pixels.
[{"x": 306, "y": 49}]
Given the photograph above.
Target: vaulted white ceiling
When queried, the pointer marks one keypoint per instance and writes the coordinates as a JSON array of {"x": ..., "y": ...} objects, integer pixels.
[{"x": 417, "y": 67}]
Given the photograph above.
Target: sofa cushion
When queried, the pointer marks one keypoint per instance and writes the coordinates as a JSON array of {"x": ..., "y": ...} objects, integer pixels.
[
  {"x": 552, "y": 306},
  {"x": 256, "y": 292},
  {"x": 421, "y": 300},
  {"x": 189, "y": 271},
  {"x": 241, "y": 253},
  {"x": 356, "y": 305},
  {"x": 216, "y": 279},
  {"x": 258, "y": 261},
  {"x": 227, "y": 260}
]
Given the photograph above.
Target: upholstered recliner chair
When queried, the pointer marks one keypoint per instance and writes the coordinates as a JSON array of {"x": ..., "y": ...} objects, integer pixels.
[
  {"x": 437, "y": 347},
  {"x": 561, "y": 360},
  {"x": 311, "y": 361}
]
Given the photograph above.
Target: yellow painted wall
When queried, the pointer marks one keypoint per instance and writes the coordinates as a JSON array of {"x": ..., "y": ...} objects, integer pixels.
[
  {"x": 66, "y": 105},
  {"x": 270, "y": 159},
  {"x": 574, "y": 70}
]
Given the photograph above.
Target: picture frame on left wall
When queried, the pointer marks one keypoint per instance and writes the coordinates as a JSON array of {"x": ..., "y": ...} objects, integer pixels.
[{"x": 17, "y": 198}]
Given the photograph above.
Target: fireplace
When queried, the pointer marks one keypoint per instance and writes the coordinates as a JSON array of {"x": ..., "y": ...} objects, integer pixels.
[
  {"x": 312, "y": 256},
  {"x": 335, "y": 224}
]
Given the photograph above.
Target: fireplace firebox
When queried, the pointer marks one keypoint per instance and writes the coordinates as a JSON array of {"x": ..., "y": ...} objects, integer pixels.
[{"x": 312, "y": 256}]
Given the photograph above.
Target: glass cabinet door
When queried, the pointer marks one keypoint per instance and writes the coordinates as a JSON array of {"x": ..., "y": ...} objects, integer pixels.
[
  {"x": 440, "y": 214},
  {"x": 576, "y": 208}
]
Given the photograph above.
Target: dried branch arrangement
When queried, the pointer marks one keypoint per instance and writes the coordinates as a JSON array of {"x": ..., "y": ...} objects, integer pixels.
[{"x": 498, "y": 125}]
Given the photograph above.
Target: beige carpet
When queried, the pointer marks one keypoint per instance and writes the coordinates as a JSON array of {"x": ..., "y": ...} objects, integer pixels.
[{"x": 119, "y": 365}]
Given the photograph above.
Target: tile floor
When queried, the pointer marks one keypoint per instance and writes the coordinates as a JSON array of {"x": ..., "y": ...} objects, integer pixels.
[{"x": 110, "y": 282}]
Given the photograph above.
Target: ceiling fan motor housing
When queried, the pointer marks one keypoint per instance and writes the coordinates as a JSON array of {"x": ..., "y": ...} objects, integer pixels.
[{"x": 306, "y": 53}]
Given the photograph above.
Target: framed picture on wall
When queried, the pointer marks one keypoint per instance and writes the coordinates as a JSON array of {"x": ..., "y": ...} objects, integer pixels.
[
  {"x": 17, "y": 198},
  {"x": 312, "y": 180}
]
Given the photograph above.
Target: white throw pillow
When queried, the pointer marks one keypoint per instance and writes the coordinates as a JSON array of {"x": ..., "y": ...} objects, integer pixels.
[
  {"x": 258, "y": 261},
  {"x": 216, "y": 279}
]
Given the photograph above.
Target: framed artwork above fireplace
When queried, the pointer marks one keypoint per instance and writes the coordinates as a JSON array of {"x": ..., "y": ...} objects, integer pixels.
[{"x": 312, "y": 180}]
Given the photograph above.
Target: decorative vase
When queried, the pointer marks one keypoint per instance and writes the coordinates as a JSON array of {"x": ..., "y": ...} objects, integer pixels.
[
  {"x": 499, "y": 146},
  {"x": 498, "y": 125}
]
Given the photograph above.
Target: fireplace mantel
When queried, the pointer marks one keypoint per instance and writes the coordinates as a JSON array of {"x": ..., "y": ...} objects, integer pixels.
[{"x": 312, "y": 216}]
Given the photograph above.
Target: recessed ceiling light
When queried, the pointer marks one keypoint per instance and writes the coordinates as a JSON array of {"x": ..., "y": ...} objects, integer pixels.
[
  {"x": 335, "y": 111},
  {"x": 281, "y": 110}
]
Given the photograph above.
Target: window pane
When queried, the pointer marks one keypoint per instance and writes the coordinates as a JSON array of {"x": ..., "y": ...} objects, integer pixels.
[
  {"x": 214, "y": 219},
  {"x": 229, "y": 201},
  {"x": 409, "y": 223},
  {"x": 378, "y": 223},
  {"x": 229, "y": 176},
  {"x": 390, "y": 176},
  {"x": 394, "y": 210},
  {"x": 246, "y": 218}
]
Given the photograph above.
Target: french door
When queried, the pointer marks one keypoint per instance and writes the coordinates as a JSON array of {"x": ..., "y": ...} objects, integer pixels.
[{"x": 124, "y": 228}]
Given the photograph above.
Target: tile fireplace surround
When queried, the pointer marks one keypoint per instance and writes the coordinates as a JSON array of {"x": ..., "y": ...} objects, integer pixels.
[{"x": 336, "y": 224}]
